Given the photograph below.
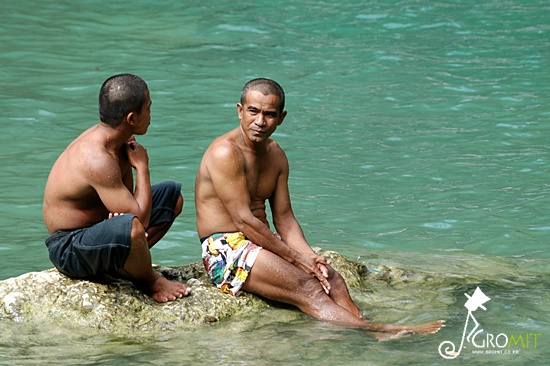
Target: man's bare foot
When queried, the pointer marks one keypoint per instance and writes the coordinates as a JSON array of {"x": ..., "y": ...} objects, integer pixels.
[
  {"x": 428, "y": 328},
  {"x": 400, "y": 331},
  {"x": 163, "y": 290},
  {"x": 389, "y": 336}
]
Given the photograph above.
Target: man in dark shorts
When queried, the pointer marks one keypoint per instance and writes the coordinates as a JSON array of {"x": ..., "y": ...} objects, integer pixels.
[{"x": 99, "y": 223}]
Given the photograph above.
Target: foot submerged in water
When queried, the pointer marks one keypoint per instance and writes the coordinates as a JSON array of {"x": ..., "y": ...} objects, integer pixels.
[
  {"x": 428, "y": 328},
  {"x": 400, "y": 331}
]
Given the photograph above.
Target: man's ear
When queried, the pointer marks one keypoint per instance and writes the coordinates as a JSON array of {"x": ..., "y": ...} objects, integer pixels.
[
  {"x": 130, "y": 118},
  {"x": 240, "y": 110},
  {"x": 283, "y": 115}
]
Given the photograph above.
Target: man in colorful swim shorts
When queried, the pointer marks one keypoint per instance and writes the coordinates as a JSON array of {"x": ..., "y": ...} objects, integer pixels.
[
  {"x": 239, "y": 172},
  {"x": 98, "y": 222}
]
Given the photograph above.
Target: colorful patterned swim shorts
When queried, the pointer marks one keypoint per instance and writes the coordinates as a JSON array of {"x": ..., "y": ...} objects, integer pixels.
[{"x": 228, "y": 258}]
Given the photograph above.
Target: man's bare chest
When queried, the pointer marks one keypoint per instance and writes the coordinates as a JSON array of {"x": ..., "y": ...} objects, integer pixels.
[{"x": 262, "y": 180}]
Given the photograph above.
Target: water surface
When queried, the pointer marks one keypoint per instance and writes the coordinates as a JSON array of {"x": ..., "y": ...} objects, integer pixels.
[{"x": 417, "y": 134}]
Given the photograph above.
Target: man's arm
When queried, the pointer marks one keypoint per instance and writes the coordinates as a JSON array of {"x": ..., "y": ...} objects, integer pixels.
[
  {"x": 285, "y": 222},
  {"x": 105, "y": 176},
  {"x": 283, "y": 217}
]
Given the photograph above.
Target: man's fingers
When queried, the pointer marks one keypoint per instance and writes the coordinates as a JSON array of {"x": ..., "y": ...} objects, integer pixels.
[
  {"x": 324, "y": 283},
  {"x": 323, "y": 269},
  {"x": 326, "y": 286}
]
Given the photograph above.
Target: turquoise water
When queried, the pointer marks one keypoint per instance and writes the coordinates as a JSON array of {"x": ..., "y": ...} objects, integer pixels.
[{"x": 417, "y": 133}]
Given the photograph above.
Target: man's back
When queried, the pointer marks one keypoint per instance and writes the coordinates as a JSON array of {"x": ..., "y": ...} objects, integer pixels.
[{"x": 70, "y": 201}]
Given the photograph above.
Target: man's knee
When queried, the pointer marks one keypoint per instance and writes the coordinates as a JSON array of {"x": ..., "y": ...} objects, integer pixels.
[
  {"x": 335, "y": 278},
  {"x": 179, "y": 206},
  {"x": 311, "y": 288},
  {"x": 137, "y": 233}
]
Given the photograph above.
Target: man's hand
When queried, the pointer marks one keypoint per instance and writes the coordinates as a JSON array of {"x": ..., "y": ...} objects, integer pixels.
[
  {"x": 324, "y": 271},
  {"x": 315, "y": 265},
  {"x": 137, "y": 154}
]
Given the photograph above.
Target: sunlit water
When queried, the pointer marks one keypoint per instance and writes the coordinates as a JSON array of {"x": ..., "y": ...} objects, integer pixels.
[{"x": 417, "y": 134}]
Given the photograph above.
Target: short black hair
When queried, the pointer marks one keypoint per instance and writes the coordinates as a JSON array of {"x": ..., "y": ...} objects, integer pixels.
[
  {"x": 266, "y": 87},
  {"x": 120, "y": 95}
]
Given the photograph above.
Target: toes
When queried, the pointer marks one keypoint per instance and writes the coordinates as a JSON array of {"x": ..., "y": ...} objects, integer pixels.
[{"x": 185, "y": 291}]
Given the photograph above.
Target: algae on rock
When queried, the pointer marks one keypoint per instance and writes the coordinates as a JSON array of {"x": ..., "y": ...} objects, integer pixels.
[{"x": 115, "y": 305}]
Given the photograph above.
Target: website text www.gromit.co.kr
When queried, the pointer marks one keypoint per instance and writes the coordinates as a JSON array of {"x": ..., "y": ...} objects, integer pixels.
[{"x": 484, "y": 343}]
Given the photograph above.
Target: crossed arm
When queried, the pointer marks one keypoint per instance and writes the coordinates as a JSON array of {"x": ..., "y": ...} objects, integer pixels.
[{"x": 114, "y": 184}]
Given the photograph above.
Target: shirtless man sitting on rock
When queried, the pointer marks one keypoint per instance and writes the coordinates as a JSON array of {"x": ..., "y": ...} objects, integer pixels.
[
  {"x": 238, "y": 173},
  {"x": 98, "y": 222}
]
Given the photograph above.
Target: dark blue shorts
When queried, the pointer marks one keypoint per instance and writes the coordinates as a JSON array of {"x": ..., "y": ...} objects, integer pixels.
[{"x": 104, "y": 247}]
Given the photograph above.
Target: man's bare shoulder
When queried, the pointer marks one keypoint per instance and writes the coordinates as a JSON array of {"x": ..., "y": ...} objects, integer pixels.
[
  {"x": 275, "y": 156},
  {"x": 224, "y": 147},
  {"x": 88, "y": 158},
  {"x": 274, "y": 148}
]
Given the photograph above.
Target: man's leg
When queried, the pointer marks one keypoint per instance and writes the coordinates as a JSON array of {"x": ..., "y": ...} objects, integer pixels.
[
  {"x": 139, "y": 270},
  {"x": 274, "y": 278},
  {"x": 155, "y": 233},
  {"x": 339, "y": 292}
]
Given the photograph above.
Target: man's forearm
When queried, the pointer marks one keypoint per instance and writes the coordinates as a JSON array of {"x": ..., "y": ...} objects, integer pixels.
[
  {"x": 142, "y": 194},
  {"x": 292, "y": 234},
  {"x": 260, "y": 234},
  {"x": 298, "y": 243}
]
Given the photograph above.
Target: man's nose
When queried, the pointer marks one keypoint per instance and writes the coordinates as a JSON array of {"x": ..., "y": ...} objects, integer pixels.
[{"x": 260, "y": 120}]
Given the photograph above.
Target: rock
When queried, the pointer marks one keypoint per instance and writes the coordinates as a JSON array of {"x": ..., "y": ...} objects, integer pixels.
[{"x": 116, "y": 306}]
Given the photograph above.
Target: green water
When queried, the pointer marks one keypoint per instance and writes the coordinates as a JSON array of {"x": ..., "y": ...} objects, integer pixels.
[{"x": 417, "y": 133}]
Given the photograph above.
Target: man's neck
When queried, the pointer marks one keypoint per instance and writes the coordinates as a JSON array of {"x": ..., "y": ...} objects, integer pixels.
[
  {"x": 113, "y": 137},
  {"x": 258, "y": 148}
]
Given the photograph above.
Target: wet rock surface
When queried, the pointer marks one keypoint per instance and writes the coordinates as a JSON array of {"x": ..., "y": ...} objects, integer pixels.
[{"x": 117, "y": 306}]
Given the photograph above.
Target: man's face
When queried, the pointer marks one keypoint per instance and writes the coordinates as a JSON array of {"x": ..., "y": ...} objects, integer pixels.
[
  {"x": 142, "y": 120},
  {"x": 260, "y": 115}
]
